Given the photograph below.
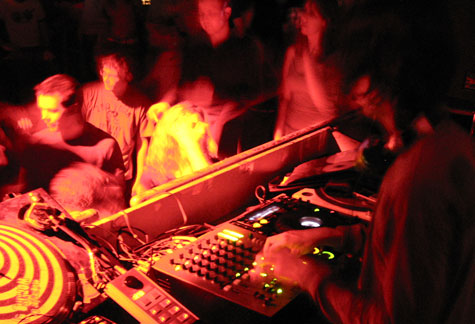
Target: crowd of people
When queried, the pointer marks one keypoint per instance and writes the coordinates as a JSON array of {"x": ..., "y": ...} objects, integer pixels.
[
  {"x": 91, "y": 133},
  {"x": 76, "y": 72},
  {"x": 110, "y": 68}
]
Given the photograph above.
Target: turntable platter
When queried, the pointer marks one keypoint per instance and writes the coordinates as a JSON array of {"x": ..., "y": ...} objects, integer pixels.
[
  {"x": 36, "y": 285},
  {"x": 355, "y": 207}
]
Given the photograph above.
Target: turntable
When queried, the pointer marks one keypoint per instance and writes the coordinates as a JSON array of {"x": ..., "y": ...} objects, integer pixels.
[
  {"x": 353, "y": 205},
  {"x": 36, "y": 285},
  {"x": 45, "y": 275}
]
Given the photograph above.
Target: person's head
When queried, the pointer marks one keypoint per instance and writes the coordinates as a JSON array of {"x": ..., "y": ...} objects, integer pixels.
[
  {"x": 316, "y": 15},
  {"x": 56, "y": 97},
  {"x": 214, "y": 16},
  {"x": 83, "y": 186},
  {"x": 398, "y": 53},
  {"x": 115, "y": 70}
]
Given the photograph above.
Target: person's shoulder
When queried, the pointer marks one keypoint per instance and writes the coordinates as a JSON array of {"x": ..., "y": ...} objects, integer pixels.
[
  {"x": 41, "y": 133},
  {"x": 437, "y": 153},
  {"x": 92, "y": 131},
  {"x": 90, "y": 90},
  {"x": 446, "y": 133},
  {"x": 44, "y": 136},
  {"x": 137, "y": 98},
  {"x": 246, "y": 41},
  {"x": 100, "y": 137},
  {"x": 92, "y": 86},
  {"x": 291, "y": 51}
]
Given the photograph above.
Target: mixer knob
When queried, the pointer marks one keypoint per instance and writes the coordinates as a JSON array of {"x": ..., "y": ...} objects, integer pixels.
[
  {"x": 205, "y": 254},
  {"x": 230, "y": 273},
  {"x": 221, "y": 269},
  {"x": 238, "y": 259},
  {"x": 202, "y": 272},
  {"x": 187, "y": 265},
  {"x": 212, "y": 266},
  {"x": 211, "y": 275},
  {"x": 220, "y": 279},
  {"x": 221, "y": 260},
  {"x": 230, "y": 264},
  {"x": 223, "y": 244},
  {"x": 196, "y": 259},
  {"x": 248, "y": 255}
]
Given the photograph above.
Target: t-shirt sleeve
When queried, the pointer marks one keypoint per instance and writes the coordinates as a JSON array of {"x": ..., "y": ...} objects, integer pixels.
[
  {"x": 146, "y": 126},
  {"x": 114, "y": 163}
]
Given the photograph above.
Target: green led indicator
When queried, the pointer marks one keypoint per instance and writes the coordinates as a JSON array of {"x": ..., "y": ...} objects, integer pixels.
[
  {"x": 280, "y": 291},
  {"x": 238, "y": 275},
  {"x": 330, "y": 255},
  {"x": 316, "y": 210}
]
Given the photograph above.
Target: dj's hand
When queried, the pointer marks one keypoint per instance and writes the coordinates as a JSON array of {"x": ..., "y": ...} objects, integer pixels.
[
  {"x": 292, "y": 269},
  {"x": 298, "y": 242},
  {"x": 25, "y": 124},
  {"x": 303, "y": 242}
]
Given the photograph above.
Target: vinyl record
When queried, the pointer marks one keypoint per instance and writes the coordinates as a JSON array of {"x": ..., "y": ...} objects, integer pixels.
[
  {"x": 337, "y": 167},
  {"x": 36, "y": 284}
]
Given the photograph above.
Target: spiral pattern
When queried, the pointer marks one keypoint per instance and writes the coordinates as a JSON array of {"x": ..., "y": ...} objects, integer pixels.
[{"x": 35, "y": 283}]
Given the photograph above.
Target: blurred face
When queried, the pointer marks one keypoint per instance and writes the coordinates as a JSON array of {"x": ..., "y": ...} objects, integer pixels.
[
  {"x": 311, "y": 22},
  {"x": 51, "y": 110},
  {"x": 368, "y": 100},
  {"x": 112, "y": 78},
  {"x": 213, "y": 16}
]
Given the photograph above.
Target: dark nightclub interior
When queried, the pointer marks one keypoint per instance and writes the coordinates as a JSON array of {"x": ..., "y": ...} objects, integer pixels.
[{"x": 237, "y": 161}]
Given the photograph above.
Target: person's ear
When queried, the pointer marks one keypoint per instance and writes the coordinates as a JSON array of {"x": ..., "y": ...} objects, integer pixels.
[
  {"x": 362, "y": 86},
  {"x": 129, "y": 77},
  {"x": 227, "y": 12}
]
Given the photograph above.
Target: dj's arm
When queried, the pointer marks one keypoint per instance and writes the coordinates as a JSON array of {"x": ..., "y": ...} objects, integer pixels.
[
  {"x": 343, "y": 303},
  {"x": 346, "y": 239}
]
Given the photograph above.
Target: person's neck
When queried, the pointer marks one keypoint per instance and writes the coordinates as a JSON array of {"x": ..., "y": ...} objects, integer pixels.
[
  {"x": 220, "y": 37},
  {"x": 315, "y": 44},
  {"x": 422, "y": 126},
  {"x": 119, "y": 93}
]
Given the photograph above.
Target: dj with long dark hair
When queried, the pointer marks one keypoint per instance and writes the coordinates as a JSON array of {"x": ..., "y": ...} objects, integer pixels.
[{"x": 418, "y": 255}]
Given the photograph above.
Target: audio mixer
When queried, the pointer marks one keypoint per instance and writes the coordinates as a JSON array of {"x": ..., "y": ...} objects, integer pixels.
[{"x": 221, "y": 261}]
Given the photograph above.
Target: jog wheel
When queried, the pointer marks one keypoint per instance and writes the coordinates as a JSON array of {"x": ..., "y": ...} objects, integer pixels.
[{"x": 36, "y": 285}]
